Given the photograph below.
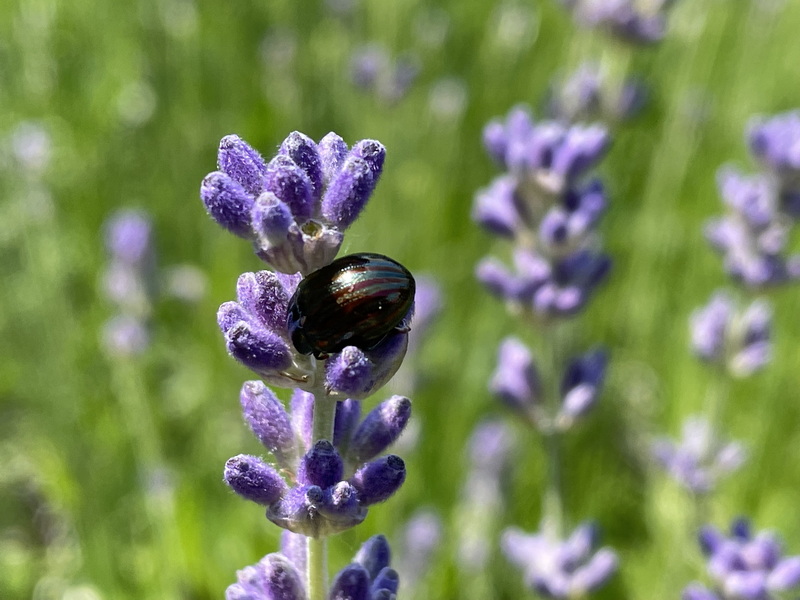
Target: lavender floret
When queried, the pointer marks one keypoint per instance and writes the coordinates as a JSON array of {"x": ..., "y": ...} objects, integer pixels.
[
  {"x": 254, "y": 480},
  {"x": 701, "y": 458},
  {"x": 295, "y": 207},
  {"x": 745, "y": 565},
  {"x": 269, "y": 421},
  {"x": 560, "y": 569}
]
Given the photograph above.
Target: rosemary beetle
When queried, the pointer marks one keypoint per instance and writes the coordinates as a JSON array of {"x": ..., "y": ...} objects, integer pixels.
[{"x": 357, "y": 300}]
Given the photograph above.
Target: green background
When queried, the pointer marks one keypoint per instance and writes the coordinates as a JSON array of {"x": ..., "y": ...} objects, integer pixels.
[{"x": 110, "y": 470}]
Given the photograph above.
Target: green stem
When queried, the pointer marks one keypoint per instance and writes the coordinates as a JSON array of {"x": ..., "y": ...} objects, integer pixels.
[
  {"x": 317, "y": 568},
  {"x": 317, "y": 549},
  {"x": 553, "y": 501}
]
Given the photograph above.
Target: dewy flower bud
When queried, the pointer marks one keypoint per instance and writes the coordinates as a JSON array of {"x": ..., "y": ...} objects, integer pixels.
[
  {"x": 381, "y": 428},
  {"x": 269, "y": 422},
  {"x": 254, "y": 480},
  {"x": 378, "y": 480},
  {"x": 274, "y": 577}
]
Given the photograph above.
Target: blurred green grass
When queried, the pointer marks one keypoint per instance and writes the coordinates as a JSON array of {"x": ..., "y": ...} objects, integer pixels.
[{"x": 111, "y": 477}]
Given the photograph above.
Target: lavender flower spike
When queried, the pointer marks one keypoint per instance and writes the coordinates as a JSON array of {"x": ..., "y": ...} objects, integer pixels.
[
  {"x": 736, "y": 340},
  {"x": 560, "y": 569},
  {"x": 775, "y": 142},
  {"x": 295, "y": 207},
  {"x": 700, "y": 459},
  {"x": 748, "y": 566}
]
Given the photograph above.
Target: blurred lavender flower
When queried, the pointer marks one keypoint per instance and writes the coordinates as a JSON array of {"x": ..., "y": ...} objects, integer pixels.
[
  {"x": 277, "y": 577},
  {"x": 549, "y": 214},
  {"x": 483, "y": 498},
  {"x": 744, "y": 566},
  {"x": 570, "y": 568},
  {"x": 738, "y": 341},
  {"x": 373, "y": 70},
  {"x": 129, "y": 282},
  {"x": 700, "y": 459},
  {"x": 295, "y": 208},
  {"x": 516, "y": 383},
  {"x": 775, "y": 143},
  {"x": 422, "y": 535},
  {"x": 588, "y": 94},
  {"x": 633, "y": 21},
  {"x": 332, "y": 486},
  {"x": 752, "y": 237}
]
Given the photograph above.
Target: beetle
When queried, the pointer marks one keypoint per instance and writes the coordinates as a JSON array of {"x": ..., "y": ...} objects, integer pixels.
[{"x": 356, "y": 300}]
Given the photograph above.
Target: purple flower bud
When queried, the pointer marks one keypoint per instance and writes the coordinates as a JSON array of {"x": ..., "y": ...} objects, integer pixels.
[
  {"x": 321, "y": 466},
  {"x": 257, "y": 349},
  {"x": 242, "y": 163},
  {"x": 581, "y": 148},
  {"x": 271, "y": 219},
  {"x": 341, "y": 507},
  {"x": 229, "y": 314},
  {"x": 516, "y": 380},
  {"x": 303, "y": 151},
  {"x": 497, "y": 278},
  {"x": 357, "y": 373},
  {"x": 496, "y": 208},
  {"x": 348, "y": 192},
  {"x": 752, "y": 197},
  {"x": 269, "y": 422},
  {"x": 374, "y": 555},
  {"x": 332, "y": 151},
  {"x": 381, "y": 428},
  {"x": 785, "y": 575},
  {"x": 228, "y": 203},
  {"x": 387, "y": 580},
  {"x": 291, "y": 185},
  {"x": 274, "y": 577},
  {"x": 378, "y": 480},
  {"x": 254, "y": 480},
  {"x": 623, "y": 19},
  {"x": 495, "y": 140},
  {"x": 709, "y": 328},
  {"x": 775, "y": 142},
  {"x": 263, "y": 295},
  {"x": 351, "y": 583},
  {"x": 581, "y": 384},
  {"x": 348, "y": 413}
]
